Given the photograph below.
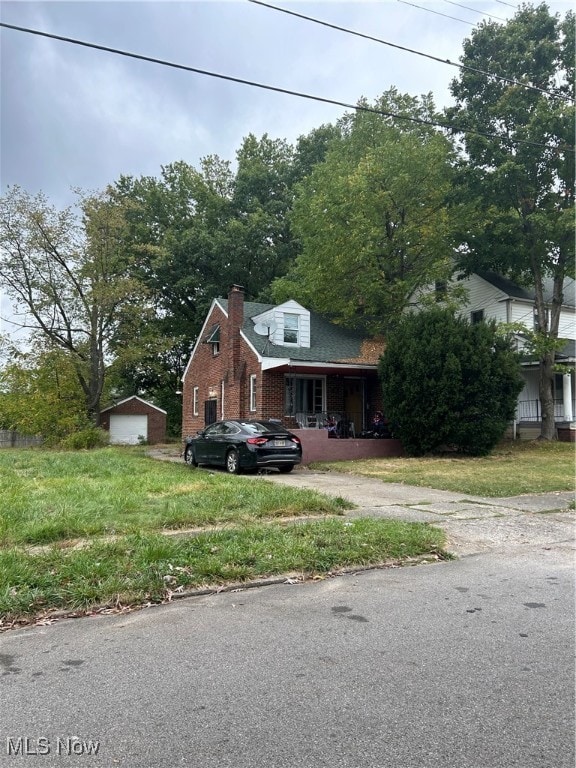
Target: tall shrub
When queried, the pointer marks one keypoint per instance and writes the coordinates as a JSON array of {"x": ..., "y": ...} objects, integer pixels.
[{"x": 449, "y": 383}]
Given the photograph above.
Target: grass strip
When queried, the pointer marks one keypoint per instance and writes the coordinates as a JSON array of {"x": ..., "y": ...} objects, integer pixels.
[
  {"x": 514, "y": 468},
  {"x": 144, "y": 568},
  {"x": 50, "y": 496}
]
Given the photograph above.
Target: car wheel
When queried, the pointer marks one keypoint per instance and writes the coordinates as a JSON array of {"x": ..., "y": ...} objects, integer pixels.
[
  {"x": 233, "y": 462},
  {"x": 285, "y": 468},
  {"x": 189, "y": 456}
]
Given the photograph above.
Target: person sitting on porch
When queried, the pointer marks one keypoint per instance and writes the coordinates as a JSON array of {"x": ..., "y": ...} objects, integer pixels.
[
  {"x": 380, "y": 425},
  {"x": 330, "y": 425}
]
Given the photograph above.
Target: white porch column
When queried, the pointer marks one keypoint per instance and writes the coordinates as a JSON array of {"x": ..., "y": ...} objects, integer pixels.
[{"x": 567, "y": 393}]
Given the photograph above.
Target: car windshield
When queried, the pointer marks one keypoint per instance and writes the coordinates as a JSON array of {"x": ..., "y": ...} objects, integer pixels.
[{"x": 261, "y": 427}]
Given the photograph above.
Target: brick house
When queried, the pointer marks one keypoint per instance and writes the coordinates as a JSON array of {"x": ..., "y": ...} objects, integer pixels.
[{"x": 254, "y": 360}]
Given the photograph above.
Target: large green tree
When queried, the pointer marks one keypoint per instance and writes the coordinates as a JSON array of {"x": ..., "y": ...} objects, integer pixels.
[
  {"x": 201, "y": 230},
  {"x": 197, "y": 232},
  {"x": 517, "y": 175},
  {"x": 448, "y": 384},
  {"x": 371, "y": 218},
  {"x": 71, "y": 277}
]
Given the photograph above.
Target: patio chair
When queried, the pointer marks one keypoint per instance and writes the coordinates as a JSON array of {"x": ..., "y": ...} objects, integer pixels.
[{"x": 301, "y": 420}]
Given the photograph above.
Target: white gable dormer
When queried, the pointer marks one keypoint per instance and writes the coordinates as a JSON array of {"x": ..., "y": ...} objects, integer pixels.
[{"x": 289, "y": 324}]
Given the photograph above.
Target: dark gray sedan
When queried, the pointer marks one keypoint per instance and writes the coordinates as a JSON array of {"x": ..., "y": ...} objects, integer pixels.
[{"x": 239, "y": 445}]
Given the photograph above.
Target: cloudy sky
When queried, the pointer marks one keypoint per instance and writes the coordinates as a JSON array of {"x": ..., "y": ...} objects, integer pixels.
[{"x": 73, "y": 116}]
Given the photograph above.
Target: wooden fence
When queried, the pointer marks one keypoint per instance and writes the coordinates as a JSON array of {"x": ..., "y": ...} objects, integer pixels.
[{"x": 11, "y": 439}]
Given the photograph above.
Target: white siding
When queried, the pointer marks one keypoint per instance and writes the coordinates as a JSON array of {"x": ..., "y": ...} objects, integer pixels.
[
  {"x": 275, "y": 318},
  {"x": 523, "y": 312},
  {"x": 530, "y": 391},
  {"x": 567, "y": 327},
  {"x": 483, "y": 296},
  {"x": 497, "y": 306},
  {"x": 480, "y": 295}
]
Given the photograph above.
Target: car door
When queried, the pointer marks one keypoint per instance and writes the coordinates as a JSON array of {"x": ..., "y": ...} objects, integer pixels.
[
  {"x": 223, "y": 440},
  {"x": 206, "y": 444}
]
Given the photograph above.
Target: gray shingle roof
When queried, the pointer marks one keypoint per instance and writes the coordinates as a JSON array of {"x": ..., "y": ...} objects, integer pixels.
[
  {"x": 329, "y": 342},
  {"x": 519, "y": 292}
]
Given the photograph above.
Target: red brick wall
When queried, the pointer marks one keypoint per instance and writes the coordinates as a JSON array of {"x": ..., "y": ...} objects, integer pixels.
[{"x": 232, "y": 366}]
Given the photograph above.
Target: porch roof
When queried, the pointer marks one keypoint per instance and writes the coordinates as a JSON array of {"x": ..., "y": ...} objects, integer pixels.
[{"x": 566, "y": 354}]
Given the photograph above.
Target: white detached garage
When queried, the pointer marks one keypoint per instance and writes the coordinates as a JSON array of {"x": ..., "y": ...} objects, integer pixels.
[{"x": 133, "y": 420}]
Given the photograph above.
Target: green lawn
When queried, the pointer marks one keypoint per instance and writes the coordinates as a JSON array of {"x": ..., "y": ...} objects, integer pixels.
[
  {"x": 50, "y": 496},
  {"x": 85, "y": 530},
  {"x": 512, "y": 469}
]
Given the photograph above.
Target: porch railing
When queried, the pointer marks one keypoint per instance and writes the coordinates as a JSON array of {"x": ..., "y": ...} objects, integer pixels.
[
  {"x": 323, "y": 419},
  {"x": 530, "y": 410}
]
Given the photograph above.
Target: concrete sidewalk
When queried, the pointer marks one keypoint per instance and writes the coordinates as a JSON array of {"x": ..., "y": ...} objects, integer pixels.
[{"x": 472, "y": 523}]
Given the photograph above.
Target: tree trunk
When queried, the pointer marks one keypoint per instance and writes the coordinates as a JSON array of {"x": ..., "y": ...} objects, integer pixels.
[{"x": 546, "y": 391}]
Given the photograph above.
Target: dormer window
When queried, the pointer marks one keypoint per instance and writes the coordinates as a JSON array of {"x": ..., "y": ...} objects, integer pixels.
[
  {"x": 291, "y": 329},
  {"x": 286, "y": 325}
]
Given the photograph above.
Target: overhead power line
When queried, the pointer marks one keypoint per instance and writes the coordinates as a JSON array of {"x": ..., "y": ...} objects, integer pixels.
[
  {"x": 474, "y": 10},
  {"x": 438, "y": 13},
  {"x": 354, "y": 32},
  {"x": 242, "y": 81}
]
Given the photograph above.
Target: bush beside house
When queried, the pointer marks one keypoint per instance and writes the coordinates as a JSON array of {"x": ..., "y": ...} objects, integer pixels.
[{"x": 448, "y": 383}]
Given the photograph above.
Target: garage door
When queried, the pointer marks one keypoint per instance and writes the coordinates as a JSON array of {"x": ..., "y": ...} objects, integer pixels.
[{"x": 128, "y": 429}]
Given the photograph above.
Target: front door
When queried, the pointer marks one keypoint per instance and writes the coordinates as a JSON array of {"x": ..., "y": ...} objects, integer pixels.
[
  {"x": 210, "y": 411},
  {"x": 354, "y": 402}
]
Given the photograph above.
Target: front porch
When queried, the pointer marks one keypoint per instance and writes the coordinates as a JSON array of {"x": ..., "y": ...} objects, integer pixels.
[{"x": 318, "y": 446}]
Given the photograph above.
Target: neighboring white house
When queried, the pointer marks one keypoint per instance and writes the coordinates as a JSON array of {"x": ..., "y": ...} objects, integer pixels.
[{"x": 492, "y": 297}]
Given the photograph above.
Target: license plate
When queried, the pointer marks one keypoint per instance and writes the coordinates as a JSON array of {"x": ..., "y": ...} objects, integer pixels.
[{"x": 280, "y": 443}]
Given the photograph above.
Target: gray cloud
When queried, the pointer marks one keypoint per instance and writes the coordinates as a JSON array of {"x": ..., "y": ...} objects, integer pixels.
[{"x": 72, "y": 116}]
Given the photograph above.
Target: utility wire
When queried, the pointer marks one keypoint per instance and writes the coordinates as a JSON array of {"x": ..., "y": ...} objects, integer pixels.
[
  {"x": 242, "y": 81},
  {"x": 474, "y": 10},
  {"x": 438, "y": 13},
  {"x": 466, "y": 67}
]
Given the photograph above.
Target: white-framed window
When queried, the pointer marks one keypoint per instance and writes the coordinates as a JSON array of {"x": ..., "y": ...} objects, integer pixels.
[
  {"x": 304, "y": 394},
  {"x": 541, "y": 323},
  {"x": 253, "y": 392},
  {"x": 291, "y": 328},
  {"x": 195, "y": 401},
  {"x": 215, "y": 348}
]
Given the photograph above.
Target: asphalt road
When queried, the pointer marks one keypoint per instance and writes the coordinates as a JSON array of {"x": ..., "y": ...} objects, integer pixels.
[{"x": 460, "y": 664}]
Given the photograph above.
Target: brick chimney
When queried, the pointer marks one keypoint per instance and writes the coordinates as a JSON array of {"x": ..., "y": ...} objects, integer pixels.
[{"x": 235, "y": 321}]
